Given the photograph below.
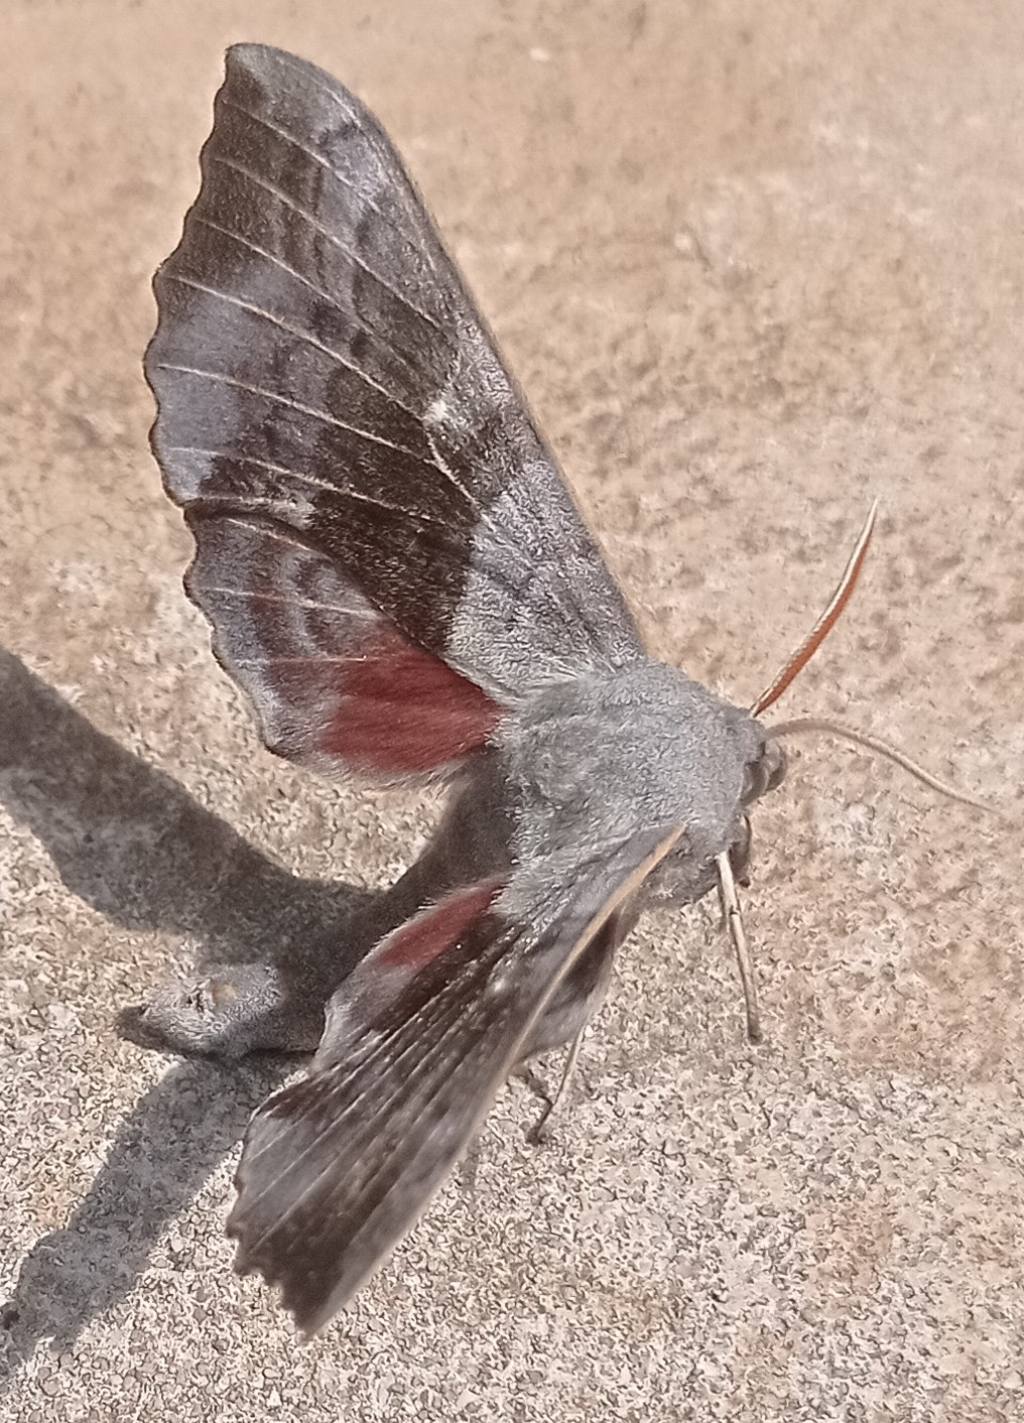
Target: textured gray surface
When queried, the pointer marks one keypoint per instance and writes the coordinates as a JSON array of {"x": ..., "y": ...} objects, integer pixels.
[{"x": 752, "y": 264}]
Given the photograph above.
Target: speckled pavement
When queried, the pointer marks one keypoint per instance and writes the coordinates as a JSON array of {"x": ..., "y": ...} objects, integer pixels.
[{"x": 753, "y": 264}]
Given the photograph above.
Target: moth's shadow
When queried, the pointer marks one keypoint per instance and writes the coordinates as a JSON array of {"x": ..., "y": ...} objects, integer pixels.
[{"x": 134, "y": 845}]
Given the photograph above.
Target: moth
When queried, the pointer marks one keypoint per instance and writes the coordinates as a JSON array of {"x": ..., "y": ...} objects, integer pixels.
[{"x": 397, "y": 576}]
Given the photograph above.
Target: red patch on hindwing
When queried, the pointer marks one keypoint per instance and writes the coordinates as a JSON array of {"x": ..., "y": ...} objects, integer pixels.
[
  {"x": 428, "y": 934},
  {"x": 403, "y": 710}
]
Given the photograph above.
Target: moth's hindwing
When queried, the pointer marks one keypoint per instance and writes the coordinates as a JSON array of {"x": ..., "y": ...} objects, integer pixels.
[{"x": 332, "y": 680}]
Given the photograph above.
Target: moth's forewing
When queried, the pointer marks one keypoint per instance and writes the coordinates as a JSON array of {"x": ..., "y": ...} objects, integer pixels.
[
  {"x": 322, "y": 375},
  {"x": 337, "y": 1167}
]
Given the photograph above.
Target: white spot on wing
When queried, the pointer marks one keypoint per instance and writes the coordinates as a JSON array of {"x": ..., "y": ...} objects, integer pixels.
[{"x": 437, "y": 411}]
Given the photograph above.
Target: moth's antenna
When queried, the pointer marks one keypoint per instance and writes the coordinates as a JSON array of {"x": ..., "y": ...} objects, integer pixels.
[
  {"x": 826, "y": 622},
  {"x": 734, "y": 919},
  {"x": 802, "y": 725}
]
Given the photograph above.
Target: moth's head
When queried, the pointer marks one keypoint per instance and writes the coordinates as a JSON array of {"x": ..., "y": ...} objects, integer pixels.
[
  {"x": 764, "y": 772},
  {"x": 764, "y": 769}
]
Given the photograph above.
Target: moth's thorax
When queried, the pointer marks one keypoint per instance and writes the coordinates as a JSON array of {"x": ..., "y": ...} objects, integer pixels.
[{"x": 589, "y": 761}]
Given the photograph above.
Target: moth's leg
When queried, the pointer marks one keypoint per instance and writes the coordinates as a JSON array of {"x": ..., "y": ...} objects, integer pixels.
[
  {"x": 233, "y": 1009},
  {"x": 538, "y": 1131},
  {"x": 734, "y": 922},
  {"x": 575, "y": 1001}
]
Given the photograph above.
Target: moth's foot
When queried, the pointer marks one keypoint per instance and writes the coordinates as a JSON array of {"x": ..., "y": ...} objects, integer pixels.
[{"x": 232, "y": 1010}]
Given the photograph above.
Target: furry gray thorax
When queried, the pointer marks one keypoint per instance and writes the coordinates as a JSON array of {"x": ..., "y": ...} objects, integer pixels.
[{"x": 593, "y": 761}]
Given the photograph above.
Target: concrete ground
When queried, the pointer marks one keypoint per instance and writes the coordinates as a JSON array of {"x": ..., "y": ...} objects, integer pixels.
[{"x": 753, "y": 264}]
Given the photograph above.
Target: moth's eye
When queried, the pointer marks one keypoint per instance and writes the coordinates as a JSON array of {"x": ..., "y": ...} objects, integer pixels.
[
  {"x": 754, "y": 782},
  {"x": 764, "y": 774},
  {"x": 775, "y": 765},
  {"x": 749, "y": 791}
]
